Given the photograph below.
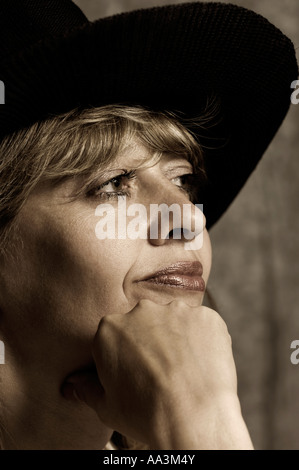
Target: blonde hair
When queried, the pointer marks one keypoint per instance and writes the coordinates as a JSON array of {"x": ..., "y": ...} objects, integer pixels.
[{"x": 78, "y": 143}]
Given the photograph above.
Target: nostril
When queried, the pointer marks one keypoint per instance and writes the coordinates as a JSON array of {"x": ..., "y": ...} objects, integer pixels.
[{"x": 176, "y": 234}]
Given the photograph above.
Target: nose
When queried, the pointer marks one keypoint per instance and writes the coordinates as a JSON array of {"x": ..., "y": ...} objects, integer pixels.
[{"x": 175, "y": 218}]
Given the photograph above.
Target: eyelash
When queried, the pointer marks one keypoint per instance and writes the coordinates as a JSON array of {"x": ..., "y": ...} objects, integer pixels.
[
  {"x": 190, "y": 182},
  {"x": 127, "y": 175},
  {"x": 130, "y": 176}
]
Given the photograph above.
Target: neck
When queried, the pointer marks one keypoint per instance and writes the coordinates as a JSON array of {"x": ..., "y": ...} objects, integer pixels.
[{"x": 34, "y": 416}]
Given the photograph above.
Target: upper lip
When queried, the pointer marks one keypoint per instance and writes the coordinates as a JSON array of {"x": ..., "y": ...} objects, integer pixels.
[{"x": 184, "y": 268}]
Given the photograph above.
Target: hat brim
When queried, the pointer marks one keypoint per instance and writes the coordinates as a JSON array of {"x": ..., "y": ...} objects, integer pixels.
[{"x": 168, "y": 58}]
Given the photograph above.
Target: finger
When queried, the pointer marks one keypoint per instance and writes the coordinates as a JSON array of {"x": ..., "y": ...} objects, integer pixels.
[{"x": 86, "y": 387}]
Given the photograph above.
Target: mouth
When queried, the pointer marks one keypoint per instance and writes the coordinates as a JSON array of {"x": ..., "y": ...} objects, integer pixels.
[{"x": 182, "y": 275}]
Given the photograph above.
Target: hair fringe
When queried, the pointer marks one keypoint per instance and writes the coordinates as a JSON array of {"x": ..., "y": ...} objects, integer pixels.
[{"x": 79, "y": 142}]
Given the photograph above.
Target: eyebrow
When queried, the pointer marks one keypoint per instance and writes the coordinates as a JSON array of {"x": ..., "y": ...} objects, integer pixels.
[
  {"x": 84, "y": 182},
  {"x": 181, "y": 166}
]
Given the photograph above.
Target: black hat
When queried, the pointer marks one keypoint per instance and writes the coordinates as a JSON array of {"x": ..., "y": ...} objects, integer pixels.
[{"x": 52, "y": 59}]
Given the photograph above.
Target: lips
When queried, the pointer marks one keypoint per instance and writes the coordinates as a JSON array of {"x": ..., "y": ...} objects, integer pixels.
[{"x": 184, "y": 275}]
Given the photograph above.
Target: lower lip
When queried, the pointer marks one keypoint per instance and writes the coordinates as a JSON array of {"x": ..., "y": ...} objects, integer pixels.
[{"x": 194, "y": 283}]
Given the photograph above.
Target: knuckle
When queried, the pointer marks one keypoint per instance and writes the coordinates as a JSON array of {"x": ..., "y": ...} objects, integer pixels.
[
  {"x": 105, "y": 327},
  {"x": 103, "y": 324},
  {"x": 100, "y": 334},
  {"x": 145, "y": 308},
  {"x": 145, "y": 302},
  {"x": 178, "y": 304},
  {"x": 210, "y": 315},
  {"x": 104, "y": 336}
]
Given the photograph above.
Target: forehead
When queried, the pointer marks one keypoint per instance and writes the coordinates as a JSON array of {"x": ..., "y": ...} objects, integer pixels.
[{"x": 135, "y": 155}]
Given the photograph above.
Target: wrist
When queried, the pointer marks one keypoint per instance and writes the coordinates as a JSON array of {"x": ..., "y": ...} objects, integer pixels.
[{"x": 215, "y": 425}]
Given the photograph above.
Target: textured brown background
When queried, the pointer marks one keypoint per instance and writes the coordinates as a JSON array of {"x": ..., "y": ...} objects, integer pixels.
[{"x": 255, "y": 275}]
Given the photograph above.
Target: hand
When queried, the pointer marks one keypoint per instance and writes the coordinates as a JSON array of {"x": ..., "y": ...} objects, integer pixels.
[{"x": 166, "y": 377}]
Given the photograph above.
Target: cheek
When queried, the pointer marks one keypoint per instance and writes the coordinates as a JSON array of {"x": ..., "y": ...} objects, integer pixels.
[
  {"x": 64, "y": 273},
  {"x": 85, "y": 274},
  {"x": 65, "y": 280},
  {"x": 102, "y": 268}
]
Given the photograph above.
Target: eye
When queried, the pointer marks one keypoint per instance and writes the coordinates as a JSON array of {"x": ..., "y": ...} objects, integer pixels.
[
  {"x": 186, "y": 183},
  {"x": 117, "y": 186},
  {"x": 181, "y": 181},
  {"x": 113, "y": 184}
]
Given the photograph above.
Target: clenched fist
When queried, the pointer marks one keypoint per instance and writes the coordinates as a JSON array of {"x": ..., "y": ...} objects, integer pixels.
[{"x": 166, "y": 376}]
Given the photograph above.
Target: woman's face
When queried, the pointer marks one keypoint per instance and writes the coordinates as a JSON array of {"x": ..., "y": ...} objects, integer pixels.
[{"x": 62, "y": 279}]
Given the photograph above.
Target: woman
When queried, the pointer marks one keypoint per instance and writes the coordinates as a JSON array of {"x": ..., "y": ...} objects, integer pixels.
[{"x": 147, "y": 108}]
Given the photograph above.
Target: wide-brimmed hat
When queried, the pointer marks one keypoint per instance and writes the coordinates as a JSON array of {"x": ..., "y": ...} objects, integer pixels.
[{"x": 52, "y": 59}]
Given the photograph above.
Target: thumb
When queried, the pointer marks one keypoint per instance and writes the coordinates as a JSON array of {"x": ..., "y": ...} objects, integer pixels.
[{"x": 86, "y": 387}]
